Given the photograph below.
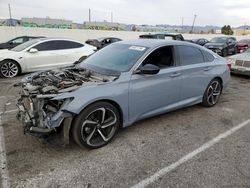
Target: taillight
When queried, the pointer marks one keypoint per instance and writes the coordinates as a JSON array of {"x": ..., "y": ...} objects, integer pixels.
[
  {"x": 229, "y": 63},
  {"x": 229, "y": 66}
]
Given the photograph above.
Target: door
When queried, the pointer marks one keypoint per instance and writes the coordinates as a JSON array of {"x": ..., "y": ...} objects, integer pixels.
[
  {"x": 153, "y": 94},
  {"x": 196, "y": 72},
  {"x": 69, "y": 52},
  {"x": 45, "y": 58}
]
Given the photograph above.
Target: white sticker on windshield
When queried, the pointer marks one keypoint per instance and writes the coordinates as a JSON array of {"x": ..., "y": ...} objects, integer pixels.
[{"x": 138, "y": 48}]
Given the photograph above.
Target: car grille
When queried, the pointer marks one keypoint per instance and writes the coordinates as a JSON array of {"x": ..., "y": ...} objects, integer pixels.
[
  {"x": 242, "y": 63},
  {"x": 246, "y": 64},
  {"x": 239, "y": 62}
]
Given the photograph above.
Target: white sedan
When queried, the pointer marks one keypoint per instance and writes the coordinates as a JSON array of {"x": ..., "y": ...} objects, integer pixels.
[{"x": 42, "y": 54}]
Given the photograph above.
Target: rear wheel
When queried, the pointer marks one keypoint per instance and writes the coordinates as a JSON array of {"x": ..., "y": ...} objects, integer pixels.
[
  {"x": 212, "y": 93},
  {"x": 96, "y": 126},
  {"x": 9, "y": 69}
]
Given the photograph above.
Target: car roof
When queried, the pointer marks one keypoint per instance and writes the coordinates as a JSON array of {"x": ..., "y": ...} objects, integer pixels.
[
  {"x": 52, "y": 39},
  {"x": 155, "y": 43}
]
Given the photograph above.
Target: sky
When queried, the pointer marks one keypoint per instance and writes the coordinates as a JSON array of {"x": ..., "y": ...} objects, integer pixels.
[{"x": 152, "y": 12}]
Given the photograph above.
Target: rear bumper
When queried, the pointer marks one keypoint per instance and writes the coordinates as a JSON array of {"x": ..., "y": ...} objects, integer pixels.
[{"x": 240, "y": 70}]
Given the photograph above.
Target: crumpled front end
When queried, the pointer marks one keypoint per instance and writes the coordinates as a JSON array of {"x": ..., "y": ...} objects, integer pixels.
[
  {"x": 40, "y": 114},
  {"x": 43, "y": 100}
]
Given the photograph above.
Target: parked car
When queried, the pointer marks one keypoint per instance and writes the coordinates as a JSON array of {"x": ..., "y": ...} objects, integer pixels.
[
  {"x": 41, "y": 54},
  {"x": 142, "y": 78},
  {"x": 240, "y": 63},
  {"x": 243, "y": 45},
  {"x": 17, "y": 41},
  {"x": 171, "y": 36},
  {"x": 223, "y": 45},
  {"x": 102, "y": 42},
  {"x": 200, "y": 41}
]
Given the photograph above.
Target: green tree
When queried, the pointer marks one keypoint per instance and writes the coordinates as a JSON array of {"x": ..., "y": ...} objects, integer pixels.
[{"x": 227, "y": 30}]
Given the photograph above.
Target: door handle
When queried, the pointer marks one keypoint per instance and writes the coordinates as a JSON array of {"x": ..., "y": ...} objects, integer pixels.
[
  {"x": 207, "y": 68},
  {"x": 176, "y": 74}
]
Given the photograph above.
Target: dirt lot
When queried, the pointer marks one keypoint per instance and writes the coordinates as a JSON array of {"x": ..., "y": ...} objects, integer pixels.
[{"x": 140, "y": 150}]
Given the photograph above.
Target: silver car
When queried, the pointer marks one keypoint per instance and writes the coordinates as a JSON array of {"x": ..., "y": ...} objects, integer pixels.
[
  {"x": 117, "y": 86},
  {"x": 241, "y": 63}
]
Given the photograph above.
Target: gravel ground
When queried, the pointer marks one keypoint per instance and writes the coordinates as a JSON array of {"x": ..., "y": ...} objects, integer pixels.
[{"x": 139, "y": 151}]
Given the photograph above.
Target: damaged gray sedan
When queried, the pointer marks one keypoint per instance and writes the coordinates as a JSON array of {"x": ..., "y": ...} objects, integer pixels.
[{"x": 117, "y": 86}]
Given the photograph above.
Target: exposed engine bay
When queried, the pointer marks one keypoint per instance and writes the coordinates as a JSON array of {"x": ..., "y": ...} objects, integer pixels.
[
  {"x": 39, "y": 112},
  {"x": 62, "y": 80}
]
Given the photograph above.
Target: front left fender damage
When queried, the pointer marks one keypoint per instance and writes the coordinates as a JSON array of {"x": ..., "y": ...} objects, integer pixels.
[{"x": 45, "y": 97}]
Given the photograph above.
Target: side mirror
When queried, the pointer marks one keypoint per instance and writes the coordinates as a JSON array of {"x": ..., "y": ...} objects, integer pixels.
[
  {"x": 149, "y": 69},
  {"x": 33, "y": 50}
]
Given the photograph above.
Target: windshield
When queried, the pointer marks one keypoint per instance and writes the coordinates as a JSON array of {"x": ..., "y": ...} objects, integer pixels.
[
  {"x": 219, "y": 40},
  {"x": 114, "y": 59},
  {"x": 25, "y": 45}
]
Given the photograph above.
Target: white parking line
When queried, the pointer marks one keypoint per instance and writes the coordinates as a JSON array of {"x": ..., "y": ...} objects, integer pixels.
[
  {"x": 4, "y": 174},
  {"x": 9, "y": 111},
  {"x": 189, "y": 156}
]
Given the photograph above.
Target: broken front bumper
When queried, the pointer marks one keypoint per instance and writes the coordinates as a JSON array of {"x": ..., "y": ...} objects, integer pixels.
[{"x": 35, "y": 119}]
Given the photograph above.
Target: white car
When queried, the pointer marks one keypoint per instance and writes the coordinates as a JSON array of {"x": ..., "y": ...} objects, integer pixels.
[{"x": 42, "y": 54}]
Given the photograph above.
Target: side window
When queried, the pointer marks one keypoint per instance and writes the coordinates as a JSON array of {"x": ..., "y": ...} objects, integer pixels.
[
  {"x": 47, "y": 46},
  {"x": 189, "y": 55},
  {"x": 208, "y": 57},
  {"x": 162, "y": 57},
  {"x": 114, "y": 40},
  {"x": 63, "y": 45},
  {"x": 17, "y": 41}
]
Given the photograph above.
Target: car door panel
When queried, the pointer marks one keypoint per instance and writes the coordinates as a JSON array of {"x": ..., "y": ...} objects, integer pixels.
[
  {"x": 196, "y": 73},
  {"x": 152, "y": 94},
  {"x": 41, "y": 60}
]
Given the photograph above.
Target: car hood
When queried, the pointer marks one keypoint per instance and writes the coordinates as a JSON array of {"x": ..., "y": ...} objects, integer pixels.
[
  {"x": 244, "y": 56},
  {"x": 215, "y": 44},
  {"x": 9, "y": 54},
  {"x": 62, "y": 80}
]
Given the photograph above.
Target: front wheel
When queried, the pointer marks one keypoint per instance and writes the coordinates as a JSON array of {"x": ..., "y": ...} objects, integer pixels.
[
  {"x": 96, "y": 126},
  {"x": 212, "y": 93},
  {"x": 9, "y": 69}
]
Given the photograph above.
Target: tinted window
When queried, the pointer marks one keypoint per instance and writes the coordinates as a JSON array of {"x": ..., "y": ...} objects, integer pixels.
[
  {"x": 46, "y": 46},
  {"x": 68, "y": 44},
  {"x": 189, "y": 55}
]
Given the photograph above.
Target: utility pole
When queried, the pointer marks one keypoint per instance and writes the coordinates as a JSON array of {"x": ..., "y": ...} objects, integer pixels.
[
  {"x": 244, "y": 28},
  {"x": 89, "y": 15},
  {"x": 10, "y": 24},
  {"x": 111, "y": 17},
  {"x": 182, "y": 22},
  {"x": 192, "y": 30}
]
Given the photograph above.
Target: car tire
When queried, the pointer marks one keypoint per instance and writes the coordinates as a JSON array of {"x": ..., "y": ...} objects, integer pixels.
[
  {"x": 9, "y": 69},
  {"x": 224, "y": 52},
  {"x": 96, "y": 125},
  {"x": 212, "y": 93}
]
